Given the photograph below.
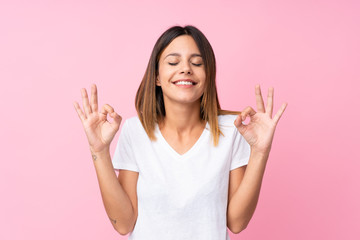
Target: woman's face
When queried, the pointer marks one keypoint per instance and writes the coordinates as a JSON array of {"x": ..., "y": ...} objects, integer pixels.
[{"x": 181, "y": 71}]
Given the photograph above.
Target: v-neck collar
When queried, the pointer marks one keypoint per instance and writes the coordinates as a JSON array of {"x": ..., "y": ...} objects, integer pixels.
[{"x": 188, "y": 152}]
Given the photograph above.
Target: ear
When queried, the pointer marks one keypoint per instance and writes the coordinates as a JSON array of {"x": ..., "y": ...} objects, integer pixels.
[{"x": 158, "y": 81}]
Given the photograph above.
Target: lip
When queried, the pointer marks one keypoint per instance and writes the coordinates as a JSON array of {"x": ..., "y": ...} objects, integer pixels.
[{"x": 187, "y": 80}]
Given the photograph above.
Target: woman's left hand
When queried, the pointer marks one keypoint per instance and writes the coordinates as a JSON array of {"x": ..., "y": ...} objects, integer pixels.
[{"x": 260, "y": 131}]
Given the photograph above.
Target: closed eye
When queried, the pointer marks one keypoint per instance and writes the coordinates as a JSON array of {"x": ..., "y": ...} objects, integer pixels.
[{"x": 173, "y": 64}]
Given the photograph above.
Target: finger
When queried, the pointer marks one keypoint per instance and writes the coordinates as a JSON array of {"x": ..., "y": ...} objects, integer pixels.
[
  {"x": 85, "y": 100},
  {"x": 79, "y": 112},
  {"x": 107, "y": 109},
  {"x": 242, "y": 116},
  {"x": 279, "y": 113},
  {"x": 270, "y": 101},
  {"x": 94, "y": 98},
  {"x": 247, "y": 111},
  {"x": 259, "y": 100},
  {"x": 238, "y": 121},
  {"x": 117, "y": 119},
  {"x": 240, "y": 125}
]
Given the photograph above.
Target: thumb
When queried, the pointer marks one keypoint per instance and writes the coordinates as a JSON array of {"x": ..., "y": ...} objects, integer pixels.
[
  {"x": 117, "y": 119},
  {"x": 238, "y": 123}
]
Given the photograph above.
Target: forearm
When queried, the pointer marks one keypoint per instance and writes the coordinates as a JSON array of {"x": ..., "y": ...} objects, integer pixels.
[
  {"x": 243, "y": 202},
  {"x": 116, "y": 201}
]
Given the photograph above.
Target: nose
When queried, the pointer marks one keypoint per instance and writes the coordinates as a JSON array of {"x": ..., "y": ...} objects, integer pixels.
[{"x": 186, "y": 68}]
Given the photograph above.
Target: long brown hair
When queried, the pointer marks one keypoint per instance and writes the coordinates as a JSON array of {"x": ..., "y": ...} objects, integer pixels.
[{"x": 149, "y": 100}]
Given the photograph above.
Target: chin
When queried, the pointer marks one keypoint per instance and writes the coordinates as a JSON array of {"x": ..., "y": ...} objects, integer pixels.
[
  {"x": 183, "y": 99},
  {"x": 187, "y": 100}
]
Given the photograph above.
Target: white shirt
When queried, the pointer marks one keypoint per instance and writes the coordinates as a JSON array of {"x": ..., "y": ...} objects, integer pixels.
[{"x": 181, "y": 197}]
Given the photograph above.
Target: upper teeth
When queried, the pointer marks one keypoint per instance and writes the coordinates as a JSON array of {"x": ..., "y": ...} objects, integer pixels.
[{"x": 183, "y": 83}]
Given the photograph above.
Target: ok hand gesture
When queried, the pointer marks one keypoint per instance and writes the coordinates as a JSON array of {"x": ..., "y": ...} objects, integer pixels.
[
  {"x": 260, "y": 131},
  {"x": 98, "y": 130}
]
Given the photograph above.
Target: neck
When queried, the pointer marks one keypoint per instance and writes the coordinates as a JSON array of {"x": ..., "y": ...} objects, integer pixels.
[{"x": 182, "y": 118}]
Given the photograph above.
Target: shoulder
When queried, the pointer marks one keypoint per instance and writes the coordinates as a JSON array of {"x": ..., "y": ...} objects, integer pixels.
[
  {"x": 133, "y": 126},
  {"x": 227, "y": 120},
  {"x": 132, "y": 122},
  {"x": 227, "y": 126}
]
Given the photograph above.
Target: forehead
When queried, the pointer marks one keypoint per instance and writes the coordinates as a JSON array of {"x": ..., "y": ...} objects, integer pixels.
[{"x": 182, "y": 45}]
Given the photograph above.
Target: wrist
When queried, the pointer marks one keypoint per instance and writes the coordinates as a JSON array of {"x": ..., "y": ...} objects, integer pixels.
[
  {"x": 102, "y": 152},
  {"x": 260, "y": 154}
]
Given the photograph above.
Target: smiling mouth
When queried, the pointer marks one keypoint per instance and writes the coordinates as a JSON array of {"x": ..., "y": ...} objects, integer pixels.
[{"x": 181, "y": 82}]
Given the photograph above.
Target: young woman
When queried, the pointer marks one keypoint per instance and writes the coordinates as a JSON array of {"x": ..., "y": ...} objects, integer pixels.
[{"x": 187, "y": 168}]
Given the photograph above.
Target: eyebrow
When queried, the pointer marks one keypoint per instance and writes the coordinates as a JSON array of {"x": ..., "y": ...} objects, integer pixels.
[{"x": 178, "y": 55}]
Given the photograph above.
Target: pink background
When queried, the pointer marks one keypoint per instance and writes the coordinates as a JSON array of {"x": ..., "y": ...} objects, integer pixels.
[{"x": 307, "y": 50}]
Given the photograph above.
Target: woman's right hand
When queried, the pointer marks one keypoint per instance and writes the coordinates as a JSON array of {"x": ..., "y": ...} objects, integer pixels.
[{"x": 98, "y": 130}]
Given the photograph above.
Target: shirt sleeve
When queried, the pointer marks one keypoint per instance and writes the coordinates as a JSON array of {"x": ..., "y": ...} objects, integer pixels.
[
  {"x": 240, "y": 151},
  {"x": 124, "y": 155}
]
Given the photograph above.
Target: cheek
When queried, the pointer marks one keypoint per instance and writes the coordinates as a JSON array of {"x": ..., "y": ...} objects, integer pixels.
[
  {"x": 164, "y": 70},
  {"x": 201, "y": 72},
  {"x": 202, "y": 75}
]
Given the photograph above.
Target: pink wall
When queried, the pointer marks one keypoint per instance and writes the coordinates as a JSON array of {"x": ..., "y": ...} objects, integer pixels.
[{"x": 307, "y": 50}]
